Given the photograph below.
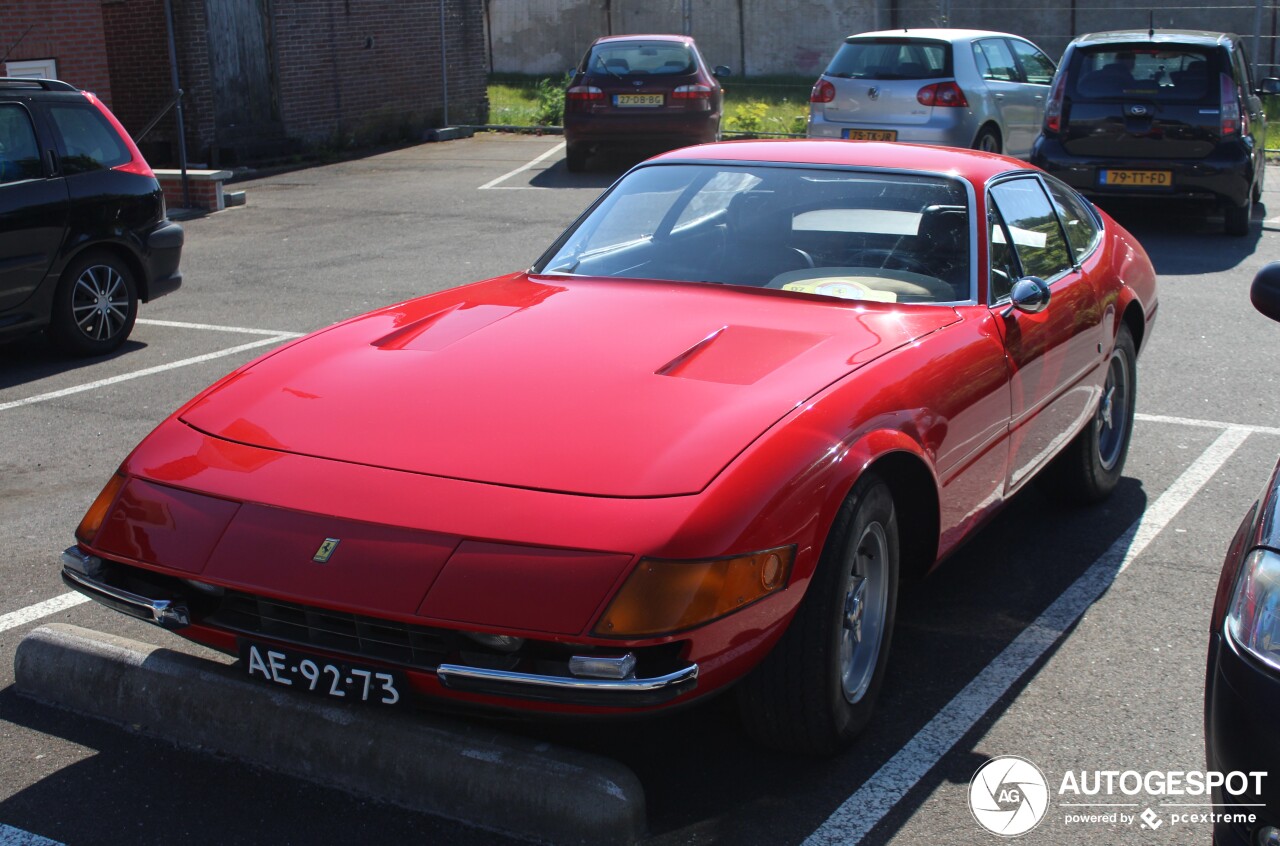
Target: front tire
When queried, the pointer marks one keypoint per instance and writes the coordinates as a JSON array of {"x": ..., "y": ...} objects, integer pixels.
[
  {"x": 815, "y": 692},
  {"x": 1089, "y": 468},
  {"x": 94, "y": 306}
]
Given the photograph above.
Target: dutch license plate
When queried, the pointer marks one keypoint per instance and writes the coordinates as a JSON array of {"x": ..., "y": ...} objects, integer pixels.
[
  {"x": 632, "y": 100},
  {"x": 871, "y": 134},
  {"x": 1137, "y": 178},
  {"x": 310, "y": 674}
]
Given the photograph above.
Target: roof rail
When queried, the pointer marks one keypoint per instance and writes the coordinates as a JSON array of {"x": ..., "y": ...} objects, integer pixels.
[{"x": 34, "y": 82}]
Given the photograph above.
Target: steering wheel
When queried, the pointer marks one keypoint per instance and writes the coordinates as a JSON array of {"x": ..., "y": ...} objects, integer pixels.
[{"x": 889, "y": 260}]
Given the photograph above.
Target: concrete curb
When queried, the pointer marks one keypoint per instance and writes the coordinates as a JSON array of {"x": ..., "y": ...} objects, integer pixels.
[{"x": 419, "y": 761}]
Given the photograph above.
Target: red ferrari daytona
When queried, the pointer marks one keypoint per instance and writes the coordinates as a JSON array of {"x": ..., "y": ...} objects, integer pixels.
[{"x": 697, "y": 444}]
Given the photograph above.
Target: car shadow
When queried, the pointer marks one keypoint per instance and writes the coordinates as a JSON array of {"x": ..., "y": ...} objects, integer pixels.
[
  {"x": 603, "y": 166},
  {"x": 35, "y": 357},
  {"x": 1184, "y": 237}
]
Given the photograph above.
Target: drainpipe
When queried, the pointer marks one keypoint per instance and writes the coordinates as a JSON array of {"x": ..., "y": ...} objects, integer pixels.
[
  {"x": 173, "y": 80},
  {"x": 444, "y": 64}
]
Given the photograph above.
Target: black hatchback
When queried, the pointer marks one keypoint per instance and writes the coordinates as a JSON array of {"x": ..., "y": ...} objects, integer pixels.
[
  {"x": 1158, "y": 113},
  {"x": 84, "y": 235}
]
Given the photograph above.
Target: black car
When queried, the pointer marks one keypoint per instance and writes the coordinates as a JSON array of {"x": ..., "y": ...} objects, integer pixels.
[
  {"x": 84, "y": 235},
  {"x": 1158, "y": 113},
  {"x": 1242, "y": 683}
]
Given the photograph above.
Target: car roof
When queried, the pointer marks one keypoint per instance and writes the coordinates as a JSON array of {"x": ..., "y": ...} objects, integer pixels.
[
  {"x": 972, "y": 165},
  {"x": 1157, "y": 36},
  {"x": 683, "y": 39},
  {"x": 935, "y": 34}
]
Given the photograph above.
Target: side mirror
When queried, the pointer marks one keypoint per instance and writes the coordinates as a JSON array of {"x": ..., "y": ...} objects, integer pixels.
[
  {"x": 1265, "y": 291},
  {"x": 721, "y": 70},
  {"x": 1270, "y": 85},
  {"x": 1030, "y": 294}
]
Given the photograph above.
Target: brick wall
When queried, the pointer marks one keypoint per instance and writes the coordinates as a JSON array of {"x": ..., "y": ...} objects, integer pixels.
[
  {"x": 368, "y": 71},
  {"x": 70, "y": 31}
]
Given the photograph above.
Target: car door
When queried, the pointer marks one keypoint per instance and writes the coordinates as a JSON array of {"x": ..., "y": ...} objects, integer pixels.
[
  {"x": 33, "y": 207},
  {"x": 1250, "y": 106},
  {"x": 1011, "y": 98},
  {"x": 1055, "y": 355},
  {"x": 1036, "y": 71}
]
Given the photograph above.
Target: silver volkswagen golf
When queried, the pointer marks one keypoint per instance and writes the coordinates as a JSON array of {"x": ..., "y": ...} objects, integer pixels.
[{"x": 954, "y": 87}]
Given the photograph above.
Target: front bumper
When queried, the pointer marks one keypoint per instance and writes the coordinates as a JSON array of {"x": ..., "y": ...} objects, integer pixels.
[
  {"x": 1241, "y": 734},
  {"x": 1226, "y": 175},
  {"x": 167, "y": 608}
]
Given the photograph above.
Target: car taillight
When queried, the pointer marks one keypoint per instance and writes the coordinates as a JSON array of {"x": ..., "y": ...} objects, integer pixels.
[
  {"x": 692, "y": 92},
  {"x": 942, "y": 94},
  {"x": 584, "y": 93},
  {"x": 1229, "y": 105},
  {"x": 823, "y": 92},
  {"x": 1053, "y": 111}
]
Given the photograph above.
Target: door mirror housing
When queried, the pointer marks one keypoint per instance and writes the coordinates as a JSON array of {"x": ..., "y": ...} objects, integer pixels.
[
  {"x": 1265, "y": 291},
  {"x": 1030, "y": 294}
]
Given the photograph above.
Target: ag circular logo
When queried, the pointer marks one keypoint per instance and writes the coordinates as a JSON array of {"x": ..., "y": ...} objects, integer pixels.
[{"x": 1008, "y": 796}]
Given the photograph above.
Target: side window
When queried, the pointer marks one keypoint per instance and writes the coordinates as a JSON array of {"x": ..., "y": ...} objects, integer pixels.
[
  {"x": 1077, "y": 218},
  {"x": 89, "y": 141},
  {"x": 995, "y": 60},
  {"x": 1037, "y": 68},
  {"x": 19, "y": 152},
  {"x": 1033, "y": 227},
  {"x": 1004, "y": 264}
]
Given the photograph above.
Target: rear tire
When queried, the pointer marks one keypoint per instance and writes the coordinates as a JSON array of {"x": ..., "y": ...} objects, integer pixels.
[
  {"x": 1088, "y": 470},
  {"x": 988, "y": 140},
  {"x": 94, "y": 306},
  {"x": 1235, "y": 219},
  {"x": 815, "y": 691}
]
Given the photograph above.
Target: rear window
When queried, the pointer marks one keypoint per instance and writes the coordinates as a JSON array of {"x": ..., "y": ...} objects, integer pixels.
[
  {"x": 654, "y": 58},
  {"x": 89, "y": 140},
  {"x": 891, "y": 58},
  {"x": 1166, "y": 73}
]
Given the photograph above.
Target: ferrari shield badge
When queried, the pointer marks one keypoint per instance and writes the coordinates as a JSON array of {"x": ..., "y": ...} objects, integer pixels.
[{"x": 325, "y": 552}]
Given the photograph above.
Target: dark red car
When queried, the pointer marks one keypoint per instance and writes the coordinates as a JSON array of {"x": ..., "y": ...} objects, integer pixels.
[{"x": 641, "y": 89}]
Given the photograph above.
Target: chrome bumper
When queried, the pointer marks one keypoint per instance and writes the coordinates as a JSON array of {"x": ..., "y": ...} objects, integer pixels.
[
  {"x": 562, "y": 689},
  {"x": 77, "y": 574}
]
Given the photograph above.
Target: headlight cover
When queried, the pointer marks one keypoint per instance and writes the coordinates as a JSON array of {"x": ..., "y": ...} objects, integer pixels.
[{"x": 1254, "y": 619}]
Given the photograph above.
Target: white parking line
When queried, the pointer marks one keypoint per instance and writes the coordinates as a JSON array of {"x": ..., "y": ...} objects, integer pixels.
[
  {"x": 210, "y": 327},
  {"x": 149, "y": 371},
  {"x": 494, "y": 183},
  {"x": 862, "y": 811},
  {"x": 10, "y": 836},
  {"x": 31, "y": 613},
  {"x": 1207, "y": 424}
]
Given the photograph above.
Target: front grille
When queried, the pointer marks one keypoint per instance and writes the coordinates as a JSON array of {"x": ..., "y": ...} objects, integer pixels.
[{"x": 334, "y": 631}]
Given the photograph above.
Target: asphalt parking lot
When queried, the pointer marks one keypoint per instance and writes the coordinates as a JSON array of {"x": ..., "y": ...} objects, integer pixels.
[{"x": 1074, "y": 639}]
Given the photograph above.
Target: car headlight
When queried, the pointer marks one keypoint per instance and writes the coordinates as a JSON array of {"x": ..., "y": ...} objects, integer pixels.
[
  {"x": 662, "y": 597},
  {"x": 1254, "y": 619}
]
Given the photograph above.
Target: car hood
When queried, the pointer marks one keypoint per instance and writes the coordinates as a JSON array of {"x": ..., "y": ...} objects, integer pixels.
[{"x": 603, "y": 387}]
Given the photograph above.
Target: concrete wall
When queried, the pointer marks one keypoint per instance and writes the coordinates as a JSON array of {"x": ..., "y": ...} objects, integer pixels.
[{"x": 798, "y": 37}]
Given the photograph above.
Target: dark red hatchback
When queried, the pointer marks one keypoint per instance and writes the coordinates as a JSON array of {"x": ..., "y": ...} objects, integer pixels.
[{"x": 641, "y": 89}]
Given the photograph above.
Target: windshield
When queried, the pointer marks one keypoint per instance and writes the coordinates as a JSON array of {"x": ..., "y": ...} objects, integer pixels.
[
  {"x": 891, "y": 58},
  {"x": 858, "y": 235},
  {"x": 653, "y": 58},
  {"x": 1150, "y": 72}
]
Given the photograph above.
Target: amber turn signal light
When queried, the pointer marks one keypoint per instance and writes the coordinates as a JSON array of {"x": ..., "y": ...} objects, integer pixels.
[
  {"x": 661, "y": 597},
  {"x": 98, "y": 511}
]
